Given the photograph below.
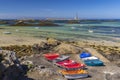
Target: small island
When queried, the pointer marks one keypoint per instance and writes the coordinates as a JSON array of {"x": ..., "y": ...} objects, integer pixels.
[
  {"x": 3, "y": 22},
  {"x": 73, "y": 22},
  {"x": 35, "y": 23}
]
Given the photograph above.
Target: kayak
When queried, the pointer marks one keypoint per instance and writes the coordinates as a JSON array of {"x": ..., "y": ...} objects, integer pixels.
[
  {"x": 73, "y": 66},
  {"x": 74, "y": 74},
  {"x": 62, "y": 63},
  {"x": 93, "y": 62},
  {"x": 90, "y": 58},
  {"x": 85, "y": 54},
  {"x": 77, "y": 76},
  {"x": 70, "y": 65},
  {"x": 51, "y": 56},
  {"x": 61, "y": 58}
]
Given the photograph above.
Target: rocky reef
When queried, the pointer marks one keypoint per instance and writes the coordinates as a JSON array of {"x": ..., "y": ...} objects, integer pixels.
[
  {"x": 110, "y": 52},
  {"x": 29, "y": 23},
  {"x": 73, "y": 22}
]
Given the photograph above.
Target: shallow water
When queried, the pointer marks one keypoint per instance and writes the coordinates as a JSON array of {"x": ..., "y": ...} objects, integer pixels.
[{"x": 84, "y": 30}]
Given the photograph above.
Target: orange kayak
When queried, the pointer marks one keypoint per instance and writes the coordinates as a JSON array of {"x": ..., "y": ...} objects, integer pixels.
[{"x": 72, "y": 72}]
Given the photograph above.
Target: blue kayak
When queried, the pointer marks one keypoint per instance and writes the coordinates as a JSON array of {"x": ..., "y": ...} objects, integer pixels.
[
  {"x": 85, "y": 54},
  {"x": 96, "y": 62}
]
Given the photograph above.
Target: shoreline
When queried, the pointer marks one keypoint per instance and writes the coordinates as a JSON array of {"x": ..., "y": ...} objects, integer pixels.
[
  {"x": 7, "y": 40},
  {"x": 106, "y": 48}
]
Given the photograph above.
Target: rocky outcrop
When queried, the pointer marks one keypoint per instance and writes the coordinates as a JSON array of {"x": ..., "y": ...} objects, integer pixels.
[
  {"x": 53, "y": 42},
  {"x": 22, "y": 23},
  {"x": 23, "y": 50},
  {"x": 10, "y": 67},
  {"x": 28, "y": 23},
  {"x": 113, "y": 56},
  {"x": 64, "y": 48},
  {"x": 47, "y": 23},
  {"x": 2, "y": 68},
  {"x": 40, "y": 48},
  {"x": 73, "y": 22}
]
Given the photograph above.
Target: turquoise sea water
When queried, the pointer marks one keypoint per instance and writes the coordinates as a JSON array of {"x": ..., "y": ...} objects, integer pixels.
[{"x": 103, "y": 30}]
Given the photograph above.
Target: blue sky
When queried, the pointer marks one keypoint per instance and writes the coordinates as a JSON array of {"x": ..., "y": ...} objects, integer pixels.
[{"x": 93, "y": 9}]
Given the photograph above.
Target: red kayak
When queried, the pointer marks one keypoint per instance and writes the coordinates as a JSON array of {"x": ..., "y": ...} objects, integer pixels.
[
  {"x": 70, "y": 64},
  {"x": 51, "y": 56},
  {"x": 62, "y": 63},
  {"x": 74, "y": 66}
]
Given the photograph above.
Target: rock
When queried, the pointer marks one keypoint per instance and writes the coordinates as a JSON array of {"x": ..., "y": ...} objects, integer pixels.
[
  {"x": 43, "y": 74},
  {"x": 108, "y": 77},
  {"x": 38, "y": 48},
  {"x": 46, "y": 72},
  {"x": 22, "y": 50},
  {"x": 116, "y": 76},
  {"x": 64, "y": 48},
  {"x": 12, "y": 73},
  {"x": 52, "y": 42},
  {"x": 28, "y": 63},
  {"x": 2, "y": 69},
  {"x": 113, "y": 56},
  {"x": 10, "y": 66},
  {"x": 1, "y": 57}
]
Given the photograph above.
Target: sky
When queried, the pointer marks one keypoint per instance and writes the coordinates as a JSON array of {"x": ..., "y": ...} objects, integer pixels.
[{"x": 86, "y": 9}]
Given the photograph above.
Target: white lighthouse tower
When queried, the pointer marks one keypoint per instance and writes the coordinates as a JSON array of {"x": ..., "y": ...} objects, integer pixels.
[{"x": 76, "y": 17}]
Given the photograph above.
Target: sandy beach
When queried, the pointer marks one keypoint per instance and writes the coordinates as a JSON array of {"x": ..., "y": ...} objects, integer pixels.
[
  {"x": 18, "y": 40},
  {"x": 7, "y": 40}
]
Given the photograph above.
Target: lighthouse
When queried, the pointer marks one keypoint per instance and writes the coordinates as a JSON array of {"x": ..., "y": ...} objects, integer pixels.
[{"x": 76, "y": 17}]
